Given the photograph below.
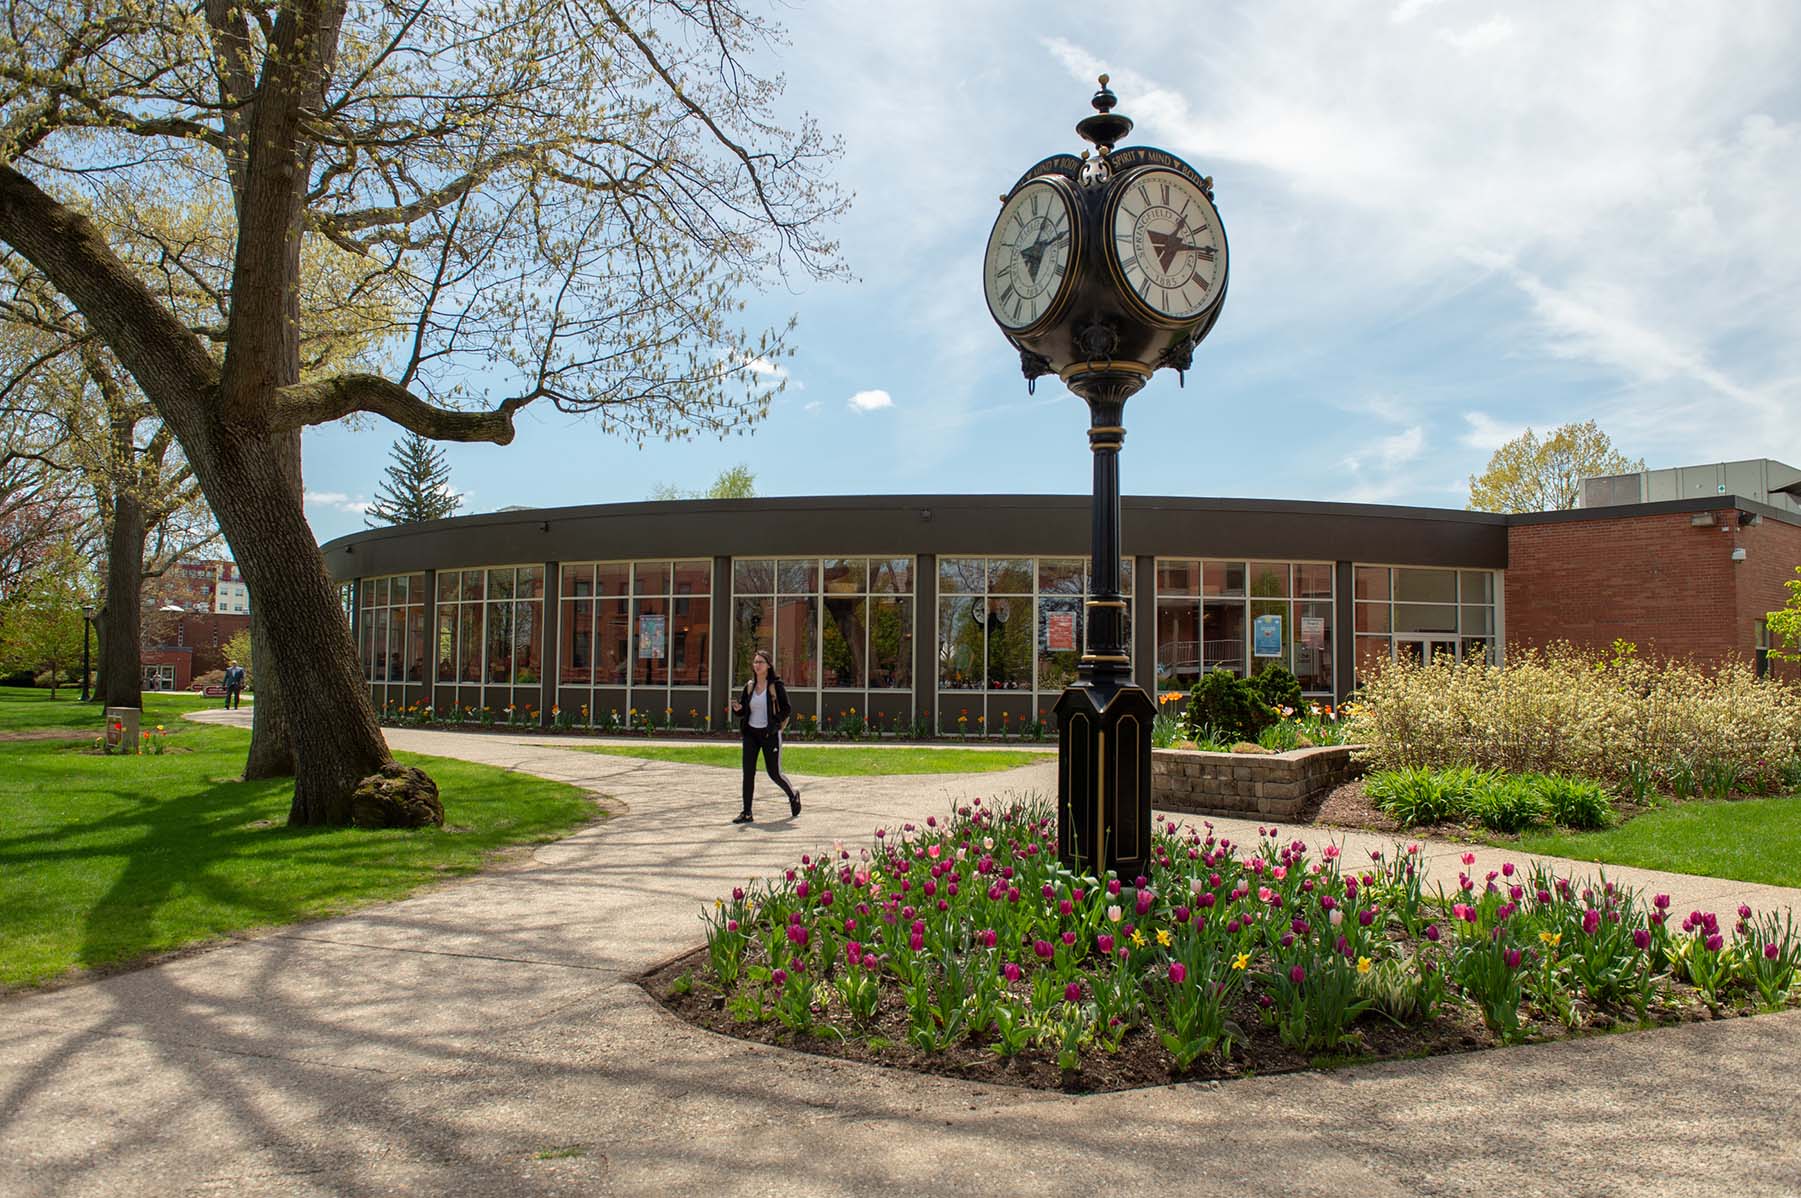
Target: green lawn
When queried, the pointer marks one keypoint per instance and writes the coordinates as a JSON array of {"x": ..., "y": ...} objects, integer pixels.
[
  {"x": 24, "y": 709},
  {"x": 838, "y": 763},
  {"x": 1752, "y": 840},
  {"x": 106, "y": 860}
]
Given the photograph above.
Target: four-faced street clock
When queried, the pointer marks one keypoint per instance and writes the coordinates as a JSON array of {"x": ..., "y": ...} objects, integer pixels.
[{"x": 1103, "y": 269}]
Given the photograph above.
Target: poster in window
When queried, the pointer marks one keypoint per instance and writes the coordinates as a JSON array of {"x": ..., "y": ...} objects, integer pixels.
[
  {"x": 1313, "y": 632},
  {"x": 1060, "y": 632},
  {"x": 1266, "y": 636},
  {"x": 651, "y": 630}
]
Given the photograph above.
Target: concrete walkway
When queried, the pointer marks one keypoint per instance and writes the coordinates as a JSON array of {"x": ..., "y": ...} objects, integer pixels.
[{"x": 485, "y": 1038}]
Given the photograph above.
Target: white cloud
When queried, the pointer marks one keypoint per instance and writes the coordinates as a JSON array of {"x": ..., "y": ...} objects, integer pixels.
[
  {"x": 1406, "y": 10},
  {"x": 870, "y": 401},
  {"x": 1480, "y": 37},
  {"x": 812, "y": 405},
  {"x": 336, "y": 501},
  {"x": 1389, "y": 454},
  {"x": 1486, "y": 433}
]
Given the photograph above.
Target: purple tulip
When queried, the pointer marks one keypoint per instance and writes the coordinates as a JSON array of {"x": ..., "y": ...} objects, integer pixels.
[
  {"x": 1432, "y": 932},
  {"x": 1661, "y": 902},
  {"x": 1297, "y": 975},
  {"x": 1069, "y": 939},
  {"x": 779, "y": 976},
  {"x": 737, "y": 894},
  {"x": 1512, "y": 957},
  {"x": 1145, "y": 899},
  {"x": 986, "y": 938},
  {"x": 1178, "y": 972},
  {"x": 1771, "y": 952},
  {"x": 1010, "y": 971},
  {"x": 1044, "y": 949},
  {"x": 916, "y": 941},
  {"x": 1641, "y": 939},
  {"x": 1744, "y": 911},
  {"x": 1104, "y": 942},
  {"x": 802, "y": 889},
  {"x": 1113, "y": 886},
  {"x": 1072, "y": 992},
  {"x": 1366, "y": 917},
  {"x": 1715, "y": 943},
  {"x": 853, "y": 952},
  {"x": 1507, "y": 869},
  {"x": 1591, "y": 920}
]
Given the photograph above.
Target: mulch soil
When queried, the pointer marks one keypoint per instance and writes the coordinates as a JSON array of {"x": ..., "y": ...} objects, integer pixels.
[{"x": 1141, "y": 1060}]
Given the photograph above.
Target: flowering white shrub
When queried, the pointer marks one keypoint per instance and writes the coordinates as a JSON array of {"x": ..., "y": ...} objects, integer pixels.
[{"x": 1614, "y": 717}]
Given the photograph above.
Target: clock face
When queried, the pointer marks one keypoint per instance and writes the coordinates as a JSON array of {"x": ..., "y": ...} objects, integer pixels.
[
  {"x": 1168, "y": 246},
  {"x": 1026, "y": 269}
]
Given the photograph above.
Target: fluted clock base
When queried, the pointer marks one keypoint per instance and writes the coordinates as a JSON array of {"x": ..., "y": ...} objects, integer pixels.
[{"x": 1104, "y": 778}]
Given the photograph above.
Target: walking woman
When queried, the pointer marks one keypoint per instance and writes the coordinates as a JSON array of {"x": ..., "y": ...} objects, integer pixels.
[{"x": 762, "y": 708}]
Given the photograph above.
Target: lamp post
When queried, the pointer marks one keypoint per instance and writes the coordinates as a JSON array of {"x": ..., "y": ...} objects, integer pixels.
[
  {"x": 87, "y": 626},
  {"x": 1102, "y": 269}
]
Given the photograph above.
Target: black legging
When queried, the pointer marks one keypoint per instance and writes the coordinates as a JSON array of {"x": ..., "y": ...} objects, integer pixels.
[{"x": 767, "y": 741}]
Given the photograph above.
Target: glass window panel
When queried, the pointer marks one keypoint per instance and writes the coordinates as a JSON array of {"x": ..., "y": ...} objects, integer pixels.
[
  {"x": 401, "y": 588},
  {"x": 578, "y": 581},
  {"x": 450, "y": 587},
  {"x": 378, "y": 639},
  {"x": 531, "y": 583},
  {"x": 397, "y": 645},
  {"x": 962, "y": 643},
  {"x": 1477, "y": 649},
  {"x": 1372, "y": 653},
  {"x": 845, "y": 576},
  {"x": 1425, "y": 586},
  {"x": 1269, "y": 580},
  {"x": 473, "y": 584},
  {"x": 415, "y": 644},
  {"x": 447, "y": 644},
  {"x": 690, "y": 632},
  {"x": 1010, "y": 575},
  {"x": 753, "y": 628},
  {"x": 381, "y": 592},
  {"x": 1061, "y": 576},
  {"x": 650, "y": 641},
  {"x": 1313, "y": 580},
  {"x": 612, "y": 579},
  {"x": 1179, "y": 642},
  {"x": 1125, "y": 575},
  {"x": 417, "y": 587},
  {"x": 500, "y": 584},
  {"x": 1313, "y": 646},
  {"x": 1425, "y": 617},
  {"x": 1178, "y": 576},
  {"x": 844, "y": 647},
  {"x": 1279, "y": 611},
  {"x": 500, "y": 641},
  {"x": 1222, "y": 578},
  {"x": 1370, "y": 582},
  {"x": 1479, "y": 621},
  {"x": 753, "y": 576},
  {"x": 962, "y": 575},
  {"x": 367, "y": 590},
  {"x": 575, "y": 632},
  {"x": 1372, "y": 617},
  {"x": 891, "y": 576},
  {"x": 1478, "y": 586},
  {"x": 366, "y": 645},
  {"x": 528, "y": 643},
  {"x": 1010, "y": 634},
  {"x": 797, "y": 638},
  {"x": 1223, "y": 630},
  {"x": 693, "y": 578},
  {"x": 1060, "y": 620},
  {"x": 612, "y": 642},
  {"x": 891, "y": 643},
  {"x": 797, "y": 576},
  {"x": 650, "y": 578},
  {"x": 469, "y": 641}
]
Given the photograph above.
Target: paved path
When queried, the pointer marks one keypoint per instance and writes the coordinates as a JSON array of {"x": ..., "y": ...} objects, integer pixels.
[{"x": 485, "y": 1038}]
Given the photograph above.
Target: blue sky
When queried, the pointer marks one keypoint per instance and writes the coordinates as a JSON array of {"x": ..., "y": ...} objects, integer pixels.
[{"x": 1449, "y": 220}]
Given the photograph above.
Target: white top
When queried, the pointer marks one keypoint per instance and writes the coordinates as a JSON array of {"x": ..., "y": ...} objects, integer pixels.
[{"x": 759, "y": 708}]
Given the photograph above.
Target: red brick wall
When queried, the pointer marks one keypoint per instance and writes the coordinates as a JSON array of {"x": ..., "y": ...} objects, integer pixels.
[{"x": 1659, "y": 581}]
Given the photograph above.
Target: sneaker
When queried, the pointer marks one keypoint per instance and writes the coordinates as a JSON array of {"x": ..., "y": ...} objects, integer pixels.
[
  {"x": 794, "y": 804},
  {"x": 743, "y": 817}
]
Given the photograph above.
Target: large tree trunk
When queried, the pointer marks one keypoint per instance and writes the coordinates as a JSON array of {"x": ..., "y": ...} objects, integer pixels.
[
  {"x": 271, "y": 752},
  {"x": 121, "y": 659},
  {"x": 254, "y": 490}
]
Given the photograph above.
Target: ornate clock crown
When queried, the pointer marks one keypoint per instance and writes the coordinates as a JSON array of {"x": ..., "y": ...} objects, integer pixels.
[{"x": 1105, "y": 128}]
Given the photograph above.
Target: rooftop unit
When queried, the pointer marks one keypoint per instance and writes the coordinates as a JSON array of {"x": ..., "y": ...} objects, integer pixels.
[{"x": 1762, "y": 480}]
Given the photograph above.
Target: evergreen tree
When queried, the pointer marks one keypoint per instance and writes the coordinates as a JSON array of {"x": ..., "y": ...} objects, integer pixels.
[{"x": 418, "y": 486}]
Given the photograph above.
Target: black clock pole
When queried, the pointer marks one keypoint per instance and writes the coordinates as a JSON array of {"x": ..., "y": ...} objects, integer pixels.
[{"x": 1103, "y": 721}]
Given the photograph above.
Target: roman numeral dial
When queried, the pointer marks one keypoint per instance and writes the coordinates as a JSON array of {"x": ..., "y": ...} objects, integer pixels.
[
  {"x": 1166, "y": 243},
  {"x": 1026, "y": 271}
]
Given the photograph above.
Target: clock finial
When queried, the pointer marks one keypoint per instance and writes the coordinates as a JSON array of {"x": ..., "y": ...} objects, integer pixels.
[{"x": 1106, "y": 127}]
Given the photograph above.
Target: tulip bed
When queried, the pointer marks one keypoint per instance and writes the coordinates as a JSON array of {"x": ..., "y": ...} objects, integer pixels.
[{"x": 962, "y": 946}]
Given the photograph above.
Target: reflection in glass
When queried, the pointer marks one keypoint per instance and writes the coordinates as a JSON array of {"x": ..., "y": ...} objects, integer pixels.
[
  {"x": 528, "y": 643},
  {"x": 1061, "y": 576},
  {"x": 612, "y": 642},
  {"x": 962, "y": 575},
  {"x": 753, "y": 628},
  {"x": 796, "y": 640},
  {"x": 1370, "y": 582},
  {"x": 500, "y": 641},
  {"x": 1223, "y": 637},
  {"x": 447, "y": 644},
  {"x": 1425, "y": 586},
  {"x": 891, "y": 643},
  {"x": 651, "y": 578},
  {"x": 1478, "y": 621},
  {"x": 415, "y": 646},
  {"x": 1010, "y": 576},
  {"x": 845, "y": 576},
  {"x": 689, "y": 634},
  {"x": 1425, "y": 617},
  {"x": 500, "y": 584},
  {"x": 844, "y": 647},
  {"x": 797, "y": 577},
  {"x": 1269, "y": 580},
  {"x": 1313, "y": 580},
  {"x": 692, "y": 578},
  {"x": 1178, "y": 577},
  {"x": 1313, "y": 651},
  {"x": 1279, "y": 610},
  {"x": 473, "y": 585},
  {"x": 650, "y": 657},
  {"x": 1478, "y": 586},
  {"x": 450, "y": 588},
  {"x": 576, "y": 630},
  {"x": 1178, "y": 643},
  {"x": 578, "y": 581},
  {"x": 469, "y": 651},
  {"x": 890, "y": 576},
  {"x": 1010, "y": 636},
  {"x": 613, "y": 579},
  {"x": 531, "y": 583},
  {"x": 960, "y": 643},
  {"x": 1222, "y": 578},
  {"x": 1059, "y": 624},
  {"x": 753, "y": 576},
  {"x": 1372, "y": 617}
]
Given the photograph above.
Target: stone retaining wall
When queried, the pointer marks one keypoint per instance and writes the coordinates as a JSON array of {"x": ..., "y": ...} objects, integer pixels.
[{"x": 1277, "y": 785}]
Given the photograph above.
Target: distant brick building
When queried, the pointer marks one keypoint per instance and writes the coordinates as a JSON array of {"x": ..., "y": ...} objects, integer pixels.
[{"x": 199, "y": 586}]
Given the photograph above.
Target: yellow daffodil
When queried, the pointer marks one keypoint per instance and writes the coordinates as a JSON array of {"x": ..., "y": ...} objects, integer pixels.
[
  {"x": 1363, "y": 965},
  {"x": 1551, "y": 938},
  {"x": 1137, "y": 938},
  {"x": 1163, "y": 937},
  {"x": 1241, "y": 960}
]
